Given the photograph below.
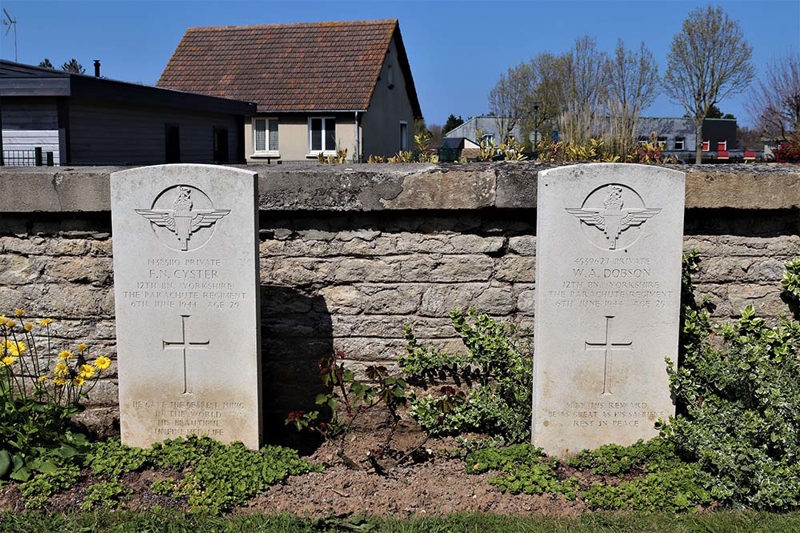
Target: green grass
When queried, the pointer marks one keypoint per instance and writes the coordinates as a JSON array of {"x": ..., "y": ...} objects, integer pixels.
[{"x": 173, "y": 522}]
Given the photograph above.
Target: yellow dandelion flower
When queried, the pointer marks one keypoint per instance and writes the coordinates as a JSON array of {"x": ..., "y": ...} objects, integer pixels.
[
  {"x": 78, "y": 381},
  {"x": 60, "y": 381},
  {"x": 87, "y": 371},
  {"x": 81, "y": 347},
  {"x": 3, "y": 320},
  {"x": 43, "y": 378},
  {"x": 61, "y": 369},
  {"x": 15, "y": 348},
  {"x": 65, "y": 355},
  {"x": 28, "y": 326},
  {"x": 18, "y": 312},
  {"x": 45, "y": 321},
  {"x": 8, "y": 360},
  {"x": 102, "y": 362},
  {"x": 10, "y": 323}
]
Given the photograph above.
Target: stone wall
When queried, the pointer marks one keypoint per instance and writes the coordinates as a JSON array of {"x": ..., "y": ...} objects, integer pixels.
[{"x": 349, "y": 256}]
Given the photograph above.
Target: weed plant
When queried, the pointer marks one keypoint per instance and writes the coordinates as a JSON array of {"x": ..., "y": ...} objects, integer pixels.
[
  {"x": 485, "y": 390},
  {"x": 40, "y": 390}
]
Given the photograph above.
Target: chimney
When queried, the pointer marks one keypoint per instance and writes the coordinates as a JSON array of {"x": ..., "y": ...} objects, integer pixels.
[{"x": 96, "y": 68}]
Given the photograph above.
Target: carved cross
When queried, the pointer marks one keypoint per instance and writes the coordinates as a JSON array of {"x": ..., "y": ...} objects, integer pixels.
[
  {"x": 608, "y": 347},
  {"x": 184, "y": 345}
]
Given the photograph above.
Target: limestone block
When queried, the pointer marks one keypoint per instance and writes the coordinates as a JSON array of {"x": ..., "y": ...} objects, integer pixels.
[
  {"x": 18, "y": 269},
  {"x": 344, "y": 299},
  {"x": 400, "y": 300},
  {"x": 525, "y": 302},
  {"x": 524, "y": 245},
  {"x": 460, "y": 268},
  {"x": 369, "y": 270},
  {"x": 516, "y": 268}
]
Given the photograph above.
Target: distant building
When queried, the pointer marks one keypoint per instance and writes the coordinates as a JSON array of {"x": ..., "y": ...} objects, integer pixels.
[
  {"x": 454, "y": 148},
  {"x": 488, "y": 125},
  {"x": 678, "y": 136},
  {"x": 88, "y": 120},
  {"x": 319, "y": 87}
]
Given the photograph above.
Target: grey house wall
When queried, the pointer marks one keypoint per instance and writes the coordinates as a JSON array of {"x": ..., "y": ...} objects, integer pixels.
[
  {"x": 29, "y": 123},
  {"x": 351, "y": 254},
  {"x": 487, "y": 124},
  {"x": 114, "y": 134},
  {"x": 390, "y": 104}
]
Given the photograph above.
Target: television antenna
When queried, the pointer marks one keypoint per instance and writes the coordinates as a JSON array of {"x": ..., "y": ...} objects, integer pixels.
[{"x": 12, "y": 25}]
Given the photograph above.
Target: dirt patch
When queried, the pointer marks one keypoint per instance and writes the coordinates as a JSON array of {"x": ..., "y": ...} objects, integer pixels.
[{"x": 433, "y": 481}]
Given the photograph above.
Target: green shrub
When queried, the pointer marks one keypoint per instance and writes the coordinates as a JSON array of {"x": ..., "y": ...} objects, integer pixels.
[
  {"x": 613, "y": 459},
  {"x": 216, "y": 476},
  {"x": 104, "y": 496},
  {"x": 486, "y": 390},
  {"x": 524, "y": 469},
  {"x": 742, "y": 412},
  {"x": 791, "y": 283},
  {"x": 679, "y": 488},
  {"x": 111, "y": 459},
  {"x": 37, "y": 490}
]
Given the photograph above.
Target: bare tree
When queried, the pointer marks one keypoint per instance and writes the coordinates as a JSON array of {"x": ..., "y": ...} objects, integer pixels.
[
  {"x": 584, "y": 86},
  {"x": 631, "y": 85},
  {"x": 775, "y": 101},
  {"x": 508, "y": 98},
  {"x": 708, "y": 61}
]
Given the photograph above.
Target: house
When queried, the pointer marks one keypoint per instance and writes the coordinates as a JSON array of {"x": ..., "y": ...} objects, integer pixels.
[
  {"x": 454, "y": 148},
  {"x": 89, "y": 120},
  {"x": 490, "y": 127},
  {"x": 678, "y": 135},
  {"x": 319, "y": 87}
]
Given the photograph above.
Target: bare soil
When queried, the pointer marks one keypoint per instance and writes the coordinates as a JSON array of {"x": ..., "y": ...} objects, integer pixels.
[{"x": 433, "y": 481}]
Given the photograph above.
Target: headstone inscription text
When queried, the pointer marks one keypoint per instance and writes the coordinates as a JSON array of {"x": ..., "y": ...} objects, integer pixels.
[
  {"x": 186, "y": 295},
  {"x": 608, "y": 268}
]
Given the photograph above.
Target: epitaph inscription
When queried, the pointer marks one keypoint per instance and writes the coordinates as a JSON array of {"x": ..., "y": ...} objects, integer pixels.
[
  {"x": 608, "y": 264},
  {"x": 186, "y": 297}
]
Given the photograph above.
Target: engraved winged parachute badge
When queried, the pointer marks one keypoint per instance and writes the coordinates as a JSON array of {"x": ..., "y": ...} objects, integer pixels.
[
  {"x": 182, "y": 220},
  {"x": 612, "y": 219}
]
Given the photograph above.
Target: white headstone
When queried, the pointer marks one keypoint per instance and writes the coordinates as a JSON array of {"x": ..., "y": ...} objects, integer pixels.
[
  {"x": 185, "y": 241},
  {"x": 608, "y": 274}
]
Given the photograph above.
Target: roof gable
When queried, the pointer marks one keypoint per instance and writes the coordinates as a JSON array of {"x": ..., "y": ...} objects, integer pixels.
[{"x": 328, "y": 66}]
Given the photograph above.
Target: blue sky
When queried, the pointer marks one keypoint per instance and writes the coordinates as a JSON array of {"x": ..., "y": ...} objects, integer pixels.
[{"x": 457, "y": 48}]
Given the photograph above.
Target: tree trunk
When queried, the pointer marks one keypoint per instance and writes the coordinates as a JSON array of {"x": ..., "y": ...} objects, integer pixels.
[{"x": 698, "y": 149}]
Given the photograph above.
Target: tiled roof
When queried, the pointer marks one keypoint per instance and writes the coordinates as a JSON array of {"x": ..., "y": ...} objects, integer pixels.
[{"x": 325, "y": 66}]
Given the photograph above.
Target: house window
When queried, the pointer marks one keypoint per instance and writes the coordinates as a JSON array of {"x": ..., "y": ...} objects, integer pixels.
[
  {"x": 488, "y": 138},
  {"x": 679, "y": 143},
  {"x": 662, "y": 142},
  {"x": 265, "y": 135},
  {"x": 722, "y": 146},
  {"x": 390, "y": 77},
  {"x": 706, "y": 145},
  {"x": 322, "y": 134},
  {"x": 403, "y": 136}
]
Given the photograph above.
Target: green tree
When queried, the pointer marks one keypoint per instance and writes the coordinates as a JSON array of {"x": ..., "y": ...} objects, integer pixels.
[
  {"x": 45, "y": 63},
  {"x": 452, "y": 122},
  {"x": 73, "y": 66},
  {"x": 709, "y": 60}
]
